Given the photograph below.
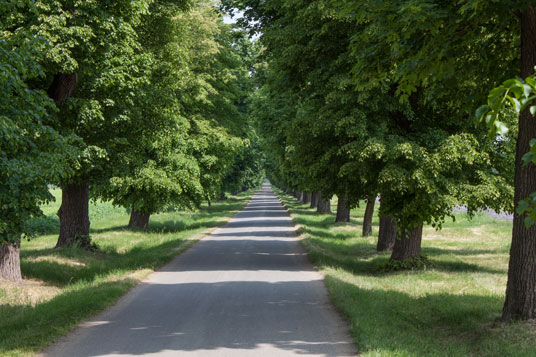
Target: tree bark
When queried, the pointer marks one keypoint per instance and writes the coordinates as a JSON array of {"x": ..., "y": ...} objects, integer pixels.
[
  {"x": 73, "y": 213},
  {"x": 387, "y": 234},
  {"x": 314, "y": 200},
  {"x": 367, "y": 219},
  {"x": 408, "y": 246},
  {"x": 139, "y": 220},
  {"x": 301, "y": 196},
  {"x": 323, "y": 206},
  {"x": 62, "y": 86},
  {"x": 10, "y": 261},
  {"x": 307, "y": 197},
  {"x": 343, "y": 212},
  {"x": 520, "y": 302}
]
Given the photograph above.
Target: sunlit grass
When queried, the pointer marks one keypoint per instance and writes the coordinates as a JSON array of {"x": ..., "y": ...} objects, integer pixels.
[
  {"x": 450, "y": 310},
  {"x": 63, "y": 287}
]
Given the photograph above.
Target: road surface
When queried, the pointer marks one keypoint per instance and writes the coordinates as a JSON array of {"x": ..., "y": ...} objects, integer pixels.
[{"x": 247, "y": 289}]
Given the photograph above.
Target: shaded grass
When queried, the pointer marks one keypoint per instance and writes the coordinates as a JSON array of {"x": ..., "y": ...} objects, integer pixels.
[
  {"x": 63, "y": 287},
  {"x": 450, "y": 310}
]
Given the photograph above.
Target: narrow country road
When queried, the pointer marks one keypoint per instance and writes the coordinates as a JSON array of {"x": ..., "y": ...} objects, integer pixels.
[{"x": 247, "y": 289}]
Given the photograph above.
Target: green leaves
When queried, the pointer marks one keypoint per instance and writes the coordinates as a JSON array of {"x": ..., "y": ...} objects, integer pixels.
[
  {"x": 32, "y": 154},
  {"x": 515, "y": 93},
  {"x": 528, "y": 207}
]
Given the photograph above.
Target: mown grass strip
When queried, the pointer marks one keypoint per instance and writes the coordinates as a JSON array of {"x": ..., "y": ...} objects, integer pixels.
[{"x": 450, "y": 310}]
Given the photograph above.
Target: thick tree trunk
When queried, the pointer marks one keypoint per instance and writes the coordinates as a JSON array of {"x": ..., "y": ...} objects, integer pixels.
[
  {"x": 139, "y": 220},
  {"x": 323, "y": 206},
  {"x": 520, "y": 302},
  {"x": 62, "y": 86},
  {"x": 301, "y": 196},
  {"x": 307, "y": 197},
  {"x": 367, "y": 219},
  {"x": 387, "y": 234},
  {"x": 343, "y": 212},
  {"x": 10, "y": 261},
  {"x": 73, "y": 213},
  {"x": 408, "y": 246},
  {"x": 314, "y": 200}
]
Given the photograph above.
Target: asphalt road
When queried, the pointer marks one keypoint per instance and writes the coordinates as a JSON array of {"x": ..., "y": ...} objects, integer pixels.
[{"x": 247, "y": 289}]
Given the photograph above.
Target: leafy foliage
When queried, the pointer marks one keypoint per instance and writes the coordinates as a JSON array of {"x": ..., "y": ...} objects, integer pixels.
[
  {"x": 518, "y": 94},
  {"x": 32, "y": 153}
]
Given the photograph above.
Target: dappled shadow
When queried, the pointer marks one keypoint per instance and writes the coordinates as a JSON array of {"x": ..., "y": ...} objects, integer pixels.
[
  {"x": 62, "y": 311},
  {"x": 173, "y": 226},
  {"x": 247, "y": 287},
  {"x": 459, "y": 252},
  {"x": 329, "y": 220},
  {"x": 264, "y": 254},
  {"x": 202, "y": 318},
  {"x": 351, "y": 258},
  {"x": 63, "y": 273},
  {"x": 459, "y": 266},
  {"x": 83, "y": 265},
  {"x": 388, "y": 321}
]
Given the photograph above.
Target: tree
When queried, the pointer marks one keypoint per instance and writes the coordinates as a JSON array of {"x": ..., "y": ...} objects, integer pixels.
[
  {"x": 158, "y": 169},
  {"x": 392, "y": 54},
  {"x": 32, "y": 153},
  {"x": 214, "y": 96},
  {"x": 100, "y": 110},
  {"x": 367, "y": 219},
  {"x": 451, "y": 48},
  {"x": 387, "y": 234}
]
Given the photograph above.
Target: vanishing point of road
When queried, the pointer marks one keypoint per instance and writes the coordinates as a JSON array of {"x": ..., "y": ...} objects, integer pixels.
[{"x": 247, "y": 289}]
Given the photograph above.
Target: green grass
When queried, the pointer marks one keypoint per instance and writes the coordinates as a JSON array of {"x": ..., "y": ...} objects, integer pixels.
[
  {"x": 63, "y": 287},
  {"x": 450, "y": 310}
]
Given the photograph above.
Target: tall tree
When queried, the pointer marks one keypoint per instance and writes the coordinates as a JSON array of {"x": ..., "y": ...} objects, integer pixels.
[
  {"x": 32, "y": 153},
  {"x": 158, "y": 168},
  {"x": 101, "y": 109}
]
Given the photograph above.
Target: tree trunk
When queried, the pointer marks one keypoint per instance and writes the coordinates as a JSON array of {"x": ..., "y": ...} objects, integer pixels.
[
  {"x": 307, "y": 197},
  {"x": 62, "y": 86},
  {"x": 367, "y": 219},
  {"x": 408, "y": 246},
  {"x": 301, "y": 196},
  {"x": 323, "y": 206},
  {"x": 10, "y": 261},
  {"x": 314, "y": 200},
  {"x": 139, "y": 220},
  {"x": 387, "y": 234},
  {"x": 73, "y": 213},
  {"x": 520, "y": 302},
  {"x": 343, "y": 212}
]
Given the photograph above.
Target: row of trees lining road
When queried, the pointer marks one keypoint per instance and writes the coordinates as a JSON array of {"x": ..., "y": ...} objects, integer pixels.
[
  {"x": 143, "y": 103},
  {"x": 366, "y": 99}
]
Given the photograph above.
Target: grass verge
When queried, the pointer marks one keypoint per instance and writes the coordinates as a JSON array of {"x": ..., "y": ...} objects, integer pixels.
[
  {"x": 63, "y": 287},
  {"x": 452, "y": 309}
]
